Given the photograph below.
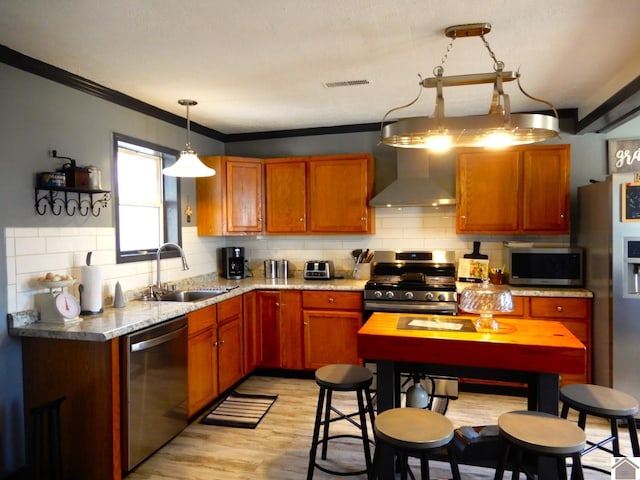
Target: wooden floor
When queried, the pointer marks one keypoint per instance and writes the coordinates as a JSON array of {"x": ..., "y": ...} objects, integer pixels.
[{"x": 279, "y": 447}]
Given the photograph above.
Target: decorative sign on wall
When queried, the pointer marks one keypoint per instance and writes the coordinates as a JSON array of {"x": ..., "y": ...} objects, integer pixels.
[
  {"x": 630, "y": 208},
  {"x": 624, "y": 155}
]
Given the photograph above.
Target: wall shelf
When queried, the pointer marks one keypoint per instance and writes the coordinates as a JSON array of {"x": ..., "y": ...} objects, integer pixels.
[{"x": 71, "y": 201}]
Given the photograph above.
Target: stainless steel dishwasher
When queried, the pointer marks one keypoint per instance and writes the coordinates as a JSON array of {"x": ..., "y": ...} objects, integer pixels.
[{"x": 154, "y": 390}]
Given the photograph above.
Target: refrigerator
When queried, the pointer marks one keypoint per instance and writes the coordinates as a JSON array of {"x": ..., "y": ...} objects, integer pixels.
[{"x": 609, "y": 230}]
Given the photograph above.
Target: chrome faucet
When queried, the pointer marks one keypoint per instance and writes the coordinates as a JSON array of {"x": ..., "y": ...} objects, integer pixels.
[{"x": 185, "y": 266}]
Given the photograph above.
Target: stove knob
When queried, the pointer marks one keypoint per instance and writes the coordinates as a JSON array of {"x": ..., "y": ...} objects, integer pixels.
[
  {"x": 408, "y": 295},
  {"x": 388, "y": 294},
  {"x": 429, "y": 296},
  {"x": 441, "y": 297},
  {"x": 377, "y": 294}
]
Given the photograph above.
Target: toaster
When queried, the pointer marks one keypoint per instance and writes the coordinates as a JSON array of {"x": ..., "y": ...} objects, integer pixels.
[{"x": 318, "y": 270}]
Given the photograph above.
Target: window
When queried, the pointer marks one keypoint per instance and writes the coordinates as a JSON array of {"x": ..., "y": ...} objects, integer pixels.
[{"x": 147, "y": 203}]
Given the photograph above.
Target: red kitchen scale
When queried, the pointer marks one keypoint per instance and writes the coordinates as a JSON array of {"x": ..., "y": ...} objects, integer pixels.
[{"x": 56, "y": 306}]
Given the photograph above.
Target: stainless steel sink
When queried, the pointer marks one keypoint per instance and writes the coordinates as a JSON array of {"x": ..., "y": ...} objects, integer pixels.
[{"x": 191, "y": 295}]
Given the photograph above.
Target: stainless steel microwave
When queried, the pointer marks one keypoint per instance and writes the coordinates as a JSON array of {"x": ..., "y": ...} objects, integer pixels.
[{"x": 545, "y": 266}]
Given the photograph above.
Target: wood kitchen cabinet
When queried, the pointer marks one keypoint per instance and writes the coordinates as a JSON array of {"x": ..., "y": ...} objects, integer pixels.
[
  {"x": 279, "y": 315},
  {"x": 520, "y": 190},
  {"x": 319, "y": 194},
  {"x": 230, "y": 343},
  {"x": 88, "y": 375},
  {"x": 339, "y": 192},
  {"x": 202, "y": 358},
  {"x": 573, "y": 312},
  {"x": 286, "y": 195},
  {"x": 230, "y": 202},
  {"x": 250, "y": 331},
  {"x": 331, "y": 322}
]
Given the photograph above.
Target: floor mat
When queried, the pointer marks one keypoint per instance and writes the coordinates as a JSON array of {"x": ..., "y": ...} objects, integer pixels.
[{"x": 240, "y": 410}]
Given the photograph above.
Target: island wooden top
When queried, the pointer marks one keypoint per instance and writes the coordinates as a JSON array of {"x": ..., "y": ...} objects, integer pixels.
[{"x": 541, "y": 346}]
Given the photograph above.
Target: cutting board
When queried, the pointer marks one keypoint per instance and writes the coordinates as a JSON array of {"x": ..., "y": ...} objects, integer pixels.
[{"x": 476, "y": 252}]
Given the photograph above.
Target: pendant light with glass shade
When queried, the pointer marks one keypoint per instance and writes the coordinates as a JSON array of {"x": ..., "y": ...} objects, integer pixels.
[{"x": 188, "y": 165}]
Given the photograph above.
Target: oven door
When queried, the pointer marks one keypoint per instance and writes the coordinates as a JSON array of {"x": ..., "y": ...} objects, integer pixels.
[{"x": 433, "y": 308}]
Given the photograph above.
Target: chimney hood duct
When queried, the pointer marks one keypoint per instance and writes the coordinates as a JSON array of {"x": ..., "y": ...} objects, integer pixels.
[{"x": 413, "y": 186}]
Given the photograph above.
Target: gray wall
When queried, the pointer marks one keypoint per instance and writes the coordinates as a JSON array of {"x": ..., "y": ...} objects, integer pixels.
[{"x": 38, "y": 115}]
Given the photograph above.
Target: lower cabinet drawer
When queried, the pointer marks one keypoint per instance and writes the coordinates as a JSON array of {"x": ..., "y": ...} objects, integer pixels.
[
  {"x": 324, "y": 299},
  {"x": 560, "y": 308}
]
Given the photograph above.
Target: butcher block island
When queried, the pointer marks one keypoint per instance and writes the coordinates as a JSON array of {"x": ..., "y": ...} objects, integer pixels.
[
  {"x": 532, "y": 352},
  {"x": 532, "y": 345}
]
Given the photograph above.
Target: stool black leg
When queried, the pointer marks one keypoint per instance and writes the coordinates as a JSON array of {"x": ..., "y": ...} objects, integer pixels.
[
  {"x": 363, "y": 428},
  {"x": 565, "y": 410},
  {"x": 562, "y": 468},
  {"x": 327, "y": 419},
  {"x": 453, "y": 462},
  {"x": 424, "y": 467},
  {"x": 633, "y": 434},
  {"x": 502, "y": 462},
  {"x": 576, "y": 469},
  {"x": 517, "y": 461},
  {"x": 316, "y": 433},
  {"x": 614, "y": 435}
]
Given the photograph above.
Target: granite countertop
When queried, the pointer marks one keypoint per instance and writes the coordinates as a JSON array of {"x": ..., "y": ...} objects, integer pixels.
[{"x": 137, "y": 314}]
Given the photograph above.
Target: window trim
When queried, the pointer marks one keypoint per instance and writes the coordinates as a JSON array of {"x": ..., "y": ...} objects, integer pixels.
[{"x": 169, "y": 156}]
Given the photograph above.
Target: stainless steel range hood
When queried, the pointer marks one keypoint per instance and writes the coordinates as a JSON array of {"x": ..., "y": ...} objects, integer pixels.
[{"x": 414, "y": 187}]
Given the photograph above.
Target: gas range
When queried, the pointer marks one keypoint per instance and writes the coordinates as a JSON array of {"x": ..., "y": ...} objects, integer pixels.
[{"x": 412, "y": 282}]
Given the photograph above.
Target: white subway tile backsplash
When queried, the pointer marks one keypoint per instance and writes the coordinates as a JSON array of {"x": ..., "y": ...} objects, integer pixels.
[{"x": 30, "y": 245}]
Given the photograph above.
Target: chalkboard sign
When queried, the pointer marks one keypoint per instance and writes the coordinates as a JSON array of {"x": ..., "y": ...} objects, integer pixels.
[{"x": 631, "y": 202}]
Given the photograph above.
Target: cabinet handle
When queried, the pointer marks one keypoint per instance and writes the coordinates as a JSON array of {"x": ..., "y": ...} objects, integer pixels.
[
  {"x": 463, "y": 216},
  {"x": 305, "y": 323},
  {"x": 215, "y": 344},
  {"x": 331, "y": 300},
  {"x": 301, "y": 219},
  {"x": 221, "y": 342},
  {"x": 277, "y": 304},
  {"x": 562, "y": 215},
  {"x": 364, "y": 219},
  {"x": 558, "y": 308}
]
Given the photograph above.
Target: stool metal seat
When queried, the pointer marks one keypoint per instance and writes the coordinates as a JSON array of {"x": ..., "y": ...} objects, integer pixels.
[
  {"x": 541, "y": 434},
  {"x": 414, "y": 432},
  {"x": 604, "y": 402},
  {"x": 341, "y": 378}
]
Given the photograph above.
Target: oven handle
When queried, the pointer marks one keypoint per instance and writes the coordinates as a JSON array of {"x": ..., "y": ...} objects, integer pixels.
[{"x": 442, "y": 308}]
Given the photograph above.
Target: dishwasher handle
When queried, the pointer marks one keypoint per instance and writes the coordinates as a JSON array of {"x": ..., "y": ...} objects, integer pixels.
[{"x": 152, "y": 342}]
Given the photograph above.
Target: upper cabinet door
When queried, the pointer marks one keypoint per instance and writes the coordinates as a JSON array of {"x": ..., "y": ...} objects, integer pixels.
[
  {"x": 231, "y": 200},
  {"x": 244, "y": 195},
  {"x": 545, "y": 200},
  {"x": 338, "y": 194},
  {"x": 286, "y": 196},
  {"x": 520, "y": 190},
  {"x": 487, "y": 189}
]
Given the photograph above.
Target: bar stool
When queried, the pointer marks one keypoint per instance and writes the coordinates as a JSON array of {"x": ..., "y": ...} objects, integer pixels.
[
  {"x": 414, "y": 432},
  {"x": 541, "y": 434},
  {"x": 341, "y": 378},
  {"x": 46, "y": 438},
  {"x": 603, "y": 402}
]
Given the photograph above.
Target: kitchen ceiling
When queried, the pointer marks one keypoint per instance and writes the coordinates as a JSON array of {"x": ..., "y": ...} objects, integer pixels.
[{"x": 267, "y": 65}]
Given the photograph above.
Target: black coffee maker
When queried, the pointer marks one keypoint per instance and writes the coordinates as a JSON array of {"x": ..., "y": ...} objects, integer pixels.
[{"x": 232, "y": 262}]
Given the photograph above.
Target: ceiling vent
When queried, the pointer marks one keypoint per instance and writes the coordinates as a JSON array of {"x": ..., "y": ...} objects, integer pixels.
[{"x": 345, "y": 83}]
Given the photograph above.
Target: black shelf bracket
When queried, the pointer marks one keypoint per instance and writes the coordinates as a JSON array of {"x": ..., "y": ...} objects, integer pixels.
[{"x": 71, "y": 201}]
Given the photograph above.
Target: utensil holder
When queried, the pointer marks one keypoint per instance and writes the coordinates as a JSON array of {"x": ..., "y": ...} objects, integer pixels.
[{"x": 363, "y": 271}]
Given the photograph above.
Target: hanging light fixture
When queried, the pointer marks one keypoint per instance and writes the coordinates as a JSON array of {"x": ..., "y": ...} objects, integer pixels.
[
  {"x": 498, "y": 128},
  {"x": 188, "y": 165}
]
